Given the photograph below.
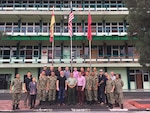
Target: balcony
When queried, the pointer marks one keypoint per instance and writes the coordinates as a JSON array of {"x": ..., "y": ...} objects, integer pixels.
[
  {"x": 79, "y": 60},
  {"x": 62, "y": 7},
  {"x": 33, "y": 31}
]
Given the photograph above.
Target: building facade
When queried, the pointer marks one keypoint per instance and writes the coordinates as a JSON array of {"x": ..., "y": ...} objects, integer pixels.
[{"x": 27, "y": 48}]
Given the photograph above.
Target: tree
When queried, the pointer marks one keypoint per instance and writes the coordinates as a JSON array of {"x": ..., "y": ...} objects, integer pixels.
[{"x": 139, "y": 27}]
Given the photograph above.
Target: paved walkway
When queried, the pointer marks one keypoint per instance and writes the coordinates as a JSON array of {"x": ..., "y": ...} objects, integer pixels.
[
  {"x": 132, "y": 101},
  {"x": 5, "y": 105}
]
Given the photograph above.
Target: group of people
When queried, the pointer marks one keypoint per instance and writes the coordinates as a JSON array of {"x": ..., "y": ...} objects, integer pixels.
[{"x": 77, "y": 87}]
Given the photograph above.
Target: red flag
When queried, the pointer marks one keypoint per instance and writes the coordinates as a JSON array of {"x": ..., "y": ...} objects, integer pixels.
[{"x": 89, "y": 34}]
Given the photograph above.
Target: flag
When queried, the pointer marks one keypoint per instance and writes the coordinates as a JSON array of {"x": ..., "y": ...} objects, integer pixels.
[
  {"x": 89, "y": 34},
  {"x": 71, "y": 17},
  {"x": 52, "y": 27}
]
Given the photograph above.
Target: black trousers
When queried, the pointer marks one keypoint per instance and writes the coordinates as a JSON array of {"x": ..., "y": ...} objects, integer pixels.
[{"x": 32, "y": 100}]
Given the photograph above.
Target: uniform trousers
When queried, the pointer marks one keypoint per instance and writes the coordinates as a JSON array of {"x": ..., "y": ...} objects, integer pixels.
[{"x": 16, "y": 98}]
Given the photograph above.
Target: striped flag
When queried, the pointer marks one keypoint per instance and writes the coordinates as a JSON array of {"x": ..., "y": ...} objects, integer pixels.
[
  {"x": 71, "y": 17},
  {"x": 52, "y": 27},
  {"x": 89, "y": 34}
]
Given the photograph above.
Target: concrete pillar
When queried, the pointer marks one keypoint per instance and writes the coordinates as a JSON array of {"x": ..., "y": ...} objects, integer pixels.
[
  {"x": 105, "y": 49},
  {"x": 18, "y": 49},
  {"x": 128, "y": 78},
  {"x": 126, "y": 50},
  {"x": 40, "y": 49},
  {"x": 105, "y": 69},
  {"x": 62, "y": 50},
  {"x": 19, "y": 25},
  {"x": 16, "y": 71},
  {"x": 125, "y": 25},
  {"x": 40, "y": 25},
  {"x": 103, "y": 23}
]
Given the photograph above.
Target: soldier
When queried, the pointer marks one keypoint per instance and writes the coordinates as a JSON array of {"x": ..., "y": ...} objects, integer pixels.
[
  {"x": 118, "y": 91},
  {"x": 109, "y": 89},
  {"x": 51, "y": 85},
  {"x": 16, "y": 93},
  {"x": 94, "y": 87},
  {"x": 95, "y": 71},
  {"x": 42, "y": 86},
  {"x": 88, "y": 86},
  {"x": 88, "y": 69}
]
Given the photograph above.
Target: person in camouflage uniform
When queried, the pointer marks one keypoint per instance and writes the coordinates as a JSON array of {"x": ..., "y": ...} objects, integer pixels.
[
  {"x": 94, "y": 88},
  {"x": 95, "y": 71},
  {"x": 88, "y": 86},
  {"x": 118, "y": 91},
  {"x": 42, "y": 86},
  {"x": 16, "y": 90},
  {"x": 109, "y": 90},
  {"x": 51, "y": 85}
]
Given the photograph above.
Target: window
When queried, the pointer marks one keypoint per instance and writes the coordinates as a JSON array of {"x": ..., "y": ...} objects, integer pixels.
[
  {"x": 132, "y": 78},
  {"x": 115, "y": 51},
  {"x": 58, "y": 53},
  {"x": 101, "y": 51},
  {"x": 108, "y": 51},
  {"x": 146, "y": 77}
]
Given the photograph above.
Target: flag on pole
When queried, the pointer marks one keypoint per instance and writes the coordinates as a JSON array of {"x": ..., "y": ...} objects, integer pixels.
[
  {"x": 89, "y": 34},
  {"x": 52, "y": 26},
  {"x": 71, "y": 17}
]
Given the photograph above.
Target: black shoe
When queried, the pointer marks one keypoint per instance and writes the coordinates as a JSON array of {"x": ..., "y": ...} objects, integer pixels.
[
  {"x": 40, "y": 103},
  {"x": 50, "y": 102},
  {"x": 13, "y": 107},
  {"x": 117, "y": 105},
  {"x": 111, "y": 106},
  {"x": 121, "y": 106},
  {"x": 17, "y": 106},
  {"x": 90, "y": 102}
]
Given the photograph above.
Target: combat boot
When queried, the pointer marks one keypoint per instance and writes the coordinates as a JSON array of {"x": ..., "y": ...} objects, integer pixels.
[
  {"x": 116, "y": 104},
  {"x": 17, "y": 106},
  {"x": 111, "y": 106},
  {"x": 121, "y": 106},
  {"x": 13, "y": 107}
]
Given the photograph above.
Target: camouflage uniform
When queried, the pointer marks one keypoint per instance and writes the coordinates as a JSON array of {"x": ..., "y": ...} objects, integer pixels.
[
  {"x": 109, "y": 86},
  {"x": 52, "y": 87},
  {"x": 88, "y": 88},
  {"x": 17, "y": 90},
  {"x": 42, "y": 85},
  {"x": 118, "y": 91},
  {"x": 94, "y": 87}
]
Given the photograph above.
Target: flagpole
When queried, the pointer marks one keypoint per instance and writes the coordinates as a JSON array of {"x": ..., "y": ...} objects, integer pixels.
[
  {"x": 53, "y": 52},
  {"x": 71, "y": 51},
  {"x": 90, "y": 55},
  {"x": 71, "y": 39}
]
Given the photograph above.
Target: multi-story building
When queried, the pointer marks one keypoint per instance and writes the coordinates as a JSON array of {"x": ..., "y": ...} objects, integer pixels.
[{"x": 27, "y": 48}]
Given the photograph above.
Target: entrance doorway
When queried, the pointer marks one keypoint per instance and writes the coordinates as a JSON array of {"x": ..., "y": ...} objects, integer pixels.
[
  {"x": 139, "y": 81},
  {"x": 5, "y": 81}
]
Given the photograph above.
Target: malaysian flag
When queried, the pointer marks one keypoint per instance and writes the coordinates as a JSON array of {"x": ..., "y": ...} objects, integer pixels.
[{"x": 71, "y": 17}]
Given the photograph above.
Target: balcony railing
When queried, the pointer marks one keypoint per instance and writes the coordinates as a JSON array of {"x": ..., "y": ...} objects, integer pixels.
[
  {"x": 60, "y": 7},
  {"x": 81, "y": 59},
  {"x": 62, "y": 32}
]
